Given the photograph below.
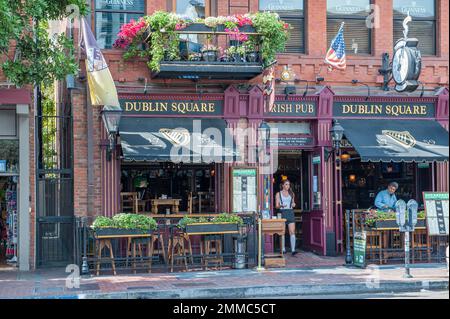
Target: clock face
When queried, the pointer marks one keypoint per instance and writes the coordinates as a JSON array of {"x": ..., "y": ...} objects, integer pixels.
[
  {"x": 286, "y": 75},
  {"x": 400, "y": 65}
]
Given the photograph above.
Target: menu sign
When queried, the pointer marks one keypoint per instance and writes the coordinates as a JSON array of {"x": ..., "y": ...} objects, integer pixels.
[
  {"x": 291, "y": 141},
  {"x": 374, "y": 109},
  {"x": 436, "y": 207},
  {"x": 167, "y": 107},
  {"x": 245, "y": 193},
  {"x": 359, "y": 249}
]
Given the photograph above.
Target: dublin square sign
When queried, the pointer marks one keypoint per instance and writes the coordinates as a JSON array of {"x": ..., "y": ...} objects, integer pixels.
[
  {"x": 384, "y": 109},
  {"x": 171, "y": 107}
]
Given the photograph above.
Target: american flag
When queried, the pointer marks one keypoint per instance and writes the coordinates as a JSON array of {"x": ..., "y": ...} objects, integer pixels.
[{"x": 336, "y": 54}]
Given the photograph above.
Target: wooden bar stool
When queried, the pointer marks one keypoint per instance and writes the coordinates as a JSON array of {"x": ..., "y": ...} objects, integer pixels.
[
  {"x": 105, "y": 243},
  {"x": 211, "y": 251},
  {"x": 177, "y": 248}
]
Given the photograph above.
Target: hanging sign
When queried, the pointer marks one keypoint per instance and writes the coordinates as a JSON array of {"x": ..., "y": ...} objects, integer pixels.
[
  {"x": 436, "y": 208},
  {"x": 359, "y": 249}
]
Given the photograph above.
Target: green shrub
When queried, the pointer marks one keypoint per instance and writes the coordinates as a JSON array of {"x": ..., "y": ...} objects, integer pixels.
[
  {"x": 186, "y": 220},
  {"x": 134, "y": 221},
  {"x": 103, "y": 222},
  {"x": 228, "y": 218}
]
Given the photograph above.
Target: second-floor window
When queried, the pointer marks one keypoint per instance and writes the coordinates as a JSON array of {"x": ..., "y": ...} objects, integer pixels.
[
  {"x": 292, "y": 12},
  {"x": 358, "y": 37},
  {"x": 423, "y": 25},
  {"x": 110, "y": 15},
  {"x": 192, "y": 8}
]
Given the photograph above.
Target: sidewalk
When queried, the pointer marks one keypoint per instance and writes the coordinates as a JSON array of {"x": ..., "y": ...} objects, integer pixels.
[{"x": 226, "y": 284}]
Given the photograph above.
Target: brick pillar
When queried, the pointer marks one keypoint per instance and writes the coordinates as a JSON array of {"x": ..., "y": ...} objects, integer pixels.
[
  {"x": 382, "y": 39},
  {"x": 316, "y": 26}
]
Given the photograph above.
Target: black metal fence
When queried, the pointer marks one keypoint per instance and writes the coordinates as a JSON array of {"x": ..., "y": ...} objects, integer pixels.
[
  {"x": 168, "y": 249},
  {"x": 386, "y": 246}
]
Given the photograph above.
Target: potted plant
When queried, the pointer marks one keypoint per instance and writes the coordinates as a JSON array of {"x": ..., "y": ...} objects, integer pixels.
[
  {"x": 221, "y": 224},
  {"x": 195, "y": 57},
  {"x": 209, "y": 53},
  {"x": 124, "y": 224},
  {"x": 251, "y": 53},
  {"x": 236, "y": 53}
]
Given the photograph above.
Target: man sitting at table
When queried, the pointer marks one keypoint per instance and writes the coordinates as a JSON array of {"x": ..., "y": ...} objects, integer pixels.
[{"x": 386, "y": 199}]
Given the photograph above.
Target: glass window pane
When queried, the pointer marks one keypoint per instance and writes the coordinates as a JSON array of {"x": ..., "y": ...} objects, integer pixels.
[
  {"x": 191, "y": 8},
  {"x": 9, "y": 156},
  {"x": 424, "y": 31},
  {"x": 8, "y": 123},
  {"x": 296, "y": 43},
  {"x": 357, "y": 35},
  {"x": 120, "y": 5},
  {"x": 286, "y": 6},
  {"x": 353, "y": 7},
  {"x": 416, "y": 8},
  {"x": 108, "y": 24}
]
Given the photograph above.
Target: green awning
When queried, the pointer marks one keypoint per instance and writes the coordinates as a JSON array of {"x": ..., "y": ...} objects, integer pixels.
[
  {"x": 177, "y": 140},
  {"x": 397, "y": 140}
]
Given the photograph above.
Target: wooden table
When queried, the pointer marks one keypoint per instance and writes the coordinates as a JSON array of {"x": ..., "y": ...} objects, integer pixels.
[
  {"x": 175, "y": 203},
  {"x": 271, "y": 227}
]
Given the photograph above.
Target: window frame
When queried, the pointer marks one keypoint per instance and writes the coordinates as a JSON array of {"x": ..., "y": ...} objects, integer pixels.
[
  {"x": 434, "y": 20},
  {"x": 208, "y": 7},
  {"x": 286, "y": 15},
  {"x": 343, "y": 17},
  {"x": 95, "y": 11}
]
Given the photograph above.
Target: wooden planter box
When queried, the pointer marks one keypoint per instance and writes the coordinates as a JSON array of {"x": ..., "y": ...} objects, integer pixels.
[
  {"x": 212, "y": 228},
  {"x": 391, "y": 224},
  {"x": 120, "y": 232},
  {"x": 273, "y": 225}
]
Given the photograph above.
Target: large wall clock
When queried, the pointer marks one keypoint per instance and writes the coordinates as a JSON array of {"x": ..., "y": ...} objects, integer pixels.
[{"x": 407, "y": 62}]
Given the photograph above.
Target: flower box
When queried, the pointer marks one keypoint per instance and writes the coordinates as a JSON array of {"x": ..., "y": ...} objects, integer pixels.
[
  {"x": 202, "y": 28},
  {"x": 107, "y": 231},
  {"x": 391, "y": 224},
  {"x": 212, "y": 228}
]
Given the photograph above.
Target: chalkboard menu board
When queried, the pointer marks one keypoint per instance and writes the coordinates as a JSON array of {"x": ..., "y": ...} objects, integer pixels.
[
  {"x": 244, "y": 190},
  {"x": 436, "y": 207}
]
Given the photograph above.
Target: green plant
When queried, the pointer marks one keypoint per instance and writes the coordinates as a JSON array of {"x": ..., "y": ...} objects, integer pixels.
[
  {"x": 195, "y": 56},
  {"x": 373, "y": 217},
  {"x": 39, "y": 57},
  {"x": 228, "y": 218},
  {"x": 163, "y": 40},
  {"x": 186, "y": 220},
  {"x": 274, "y": 34},
  {"x": 103, "y": 222},
  {"x": 209, "y": 47},
  {"x": 134, "y": 221},
  {"x": 235, "y": 50}
]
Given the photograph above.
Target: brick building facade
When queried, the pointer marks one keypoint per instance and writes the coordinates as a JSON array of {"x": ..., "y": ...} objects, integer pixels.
[{"x": 97, "y": 181}]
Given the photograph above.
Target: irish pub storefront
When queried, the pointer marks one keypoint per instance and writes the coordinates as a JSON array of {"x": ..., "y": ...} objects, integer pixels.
[{"x": 185, "y": 154}]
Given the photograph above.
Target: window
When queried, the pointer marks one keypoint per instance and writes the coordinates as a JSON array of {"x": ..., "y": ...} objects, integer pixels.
[
  {"x": 354, "y": 13},
  {"x": 423, "y": 25},
  {"x": 8, "y": 123},
  {"x": 292, "y": 12},
  {"x": 9, "y": 156},
  {"x": 191, "y": 8},
  {"x": 316, "y": 184},
  {"x": 110, "y": 15}
]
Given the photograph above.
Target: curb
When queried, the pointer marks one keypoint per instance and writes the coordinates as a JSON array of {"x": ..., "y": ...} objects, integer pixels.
[{"x": 266, "y": 291}]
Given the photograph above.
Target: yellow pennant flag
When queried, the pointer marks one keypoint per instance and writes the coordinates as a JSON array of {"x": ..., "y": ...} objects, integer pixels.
[{"x": 101, "y": 84}]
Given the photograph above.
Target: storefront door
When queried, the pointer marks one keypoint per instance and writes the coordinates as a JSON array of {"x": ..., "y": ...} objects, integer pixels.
[{"x": 313, "y": 219}]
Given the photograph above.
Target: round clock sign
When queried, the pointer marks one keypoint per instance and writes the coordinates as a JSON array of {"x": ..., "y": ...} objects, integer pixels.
[{"x": 407, "y": 62}]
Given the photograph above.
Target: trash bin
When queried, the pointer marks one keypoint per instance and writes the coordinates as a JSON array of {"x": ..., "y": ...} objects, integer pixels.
[{"x": 239, "y": 252}]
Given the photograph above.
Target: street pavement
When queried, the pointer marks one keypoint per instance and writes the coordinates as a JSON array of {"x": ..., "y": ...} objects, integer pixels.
[{"x": 247, "y": 283}]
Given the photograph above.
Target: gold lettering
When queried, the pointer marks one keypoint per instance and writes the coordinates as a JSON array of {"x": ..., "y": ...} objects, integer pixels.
[
  {"x": 129, "y": 106},
  {"x": 204, "y": 107},
  {"x": 311, "y": 108},
  {"x": 346, "y": 109},
  {"x": 423, "y": 109},
  {"x": 164, "y": 106}
]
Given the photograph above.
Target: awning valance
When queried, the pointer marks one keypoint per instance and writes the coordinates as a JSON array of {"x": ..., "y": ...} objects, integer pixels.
[
  {"x": 177, "y": 140},
  {"x": 397, "y": 141}
]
